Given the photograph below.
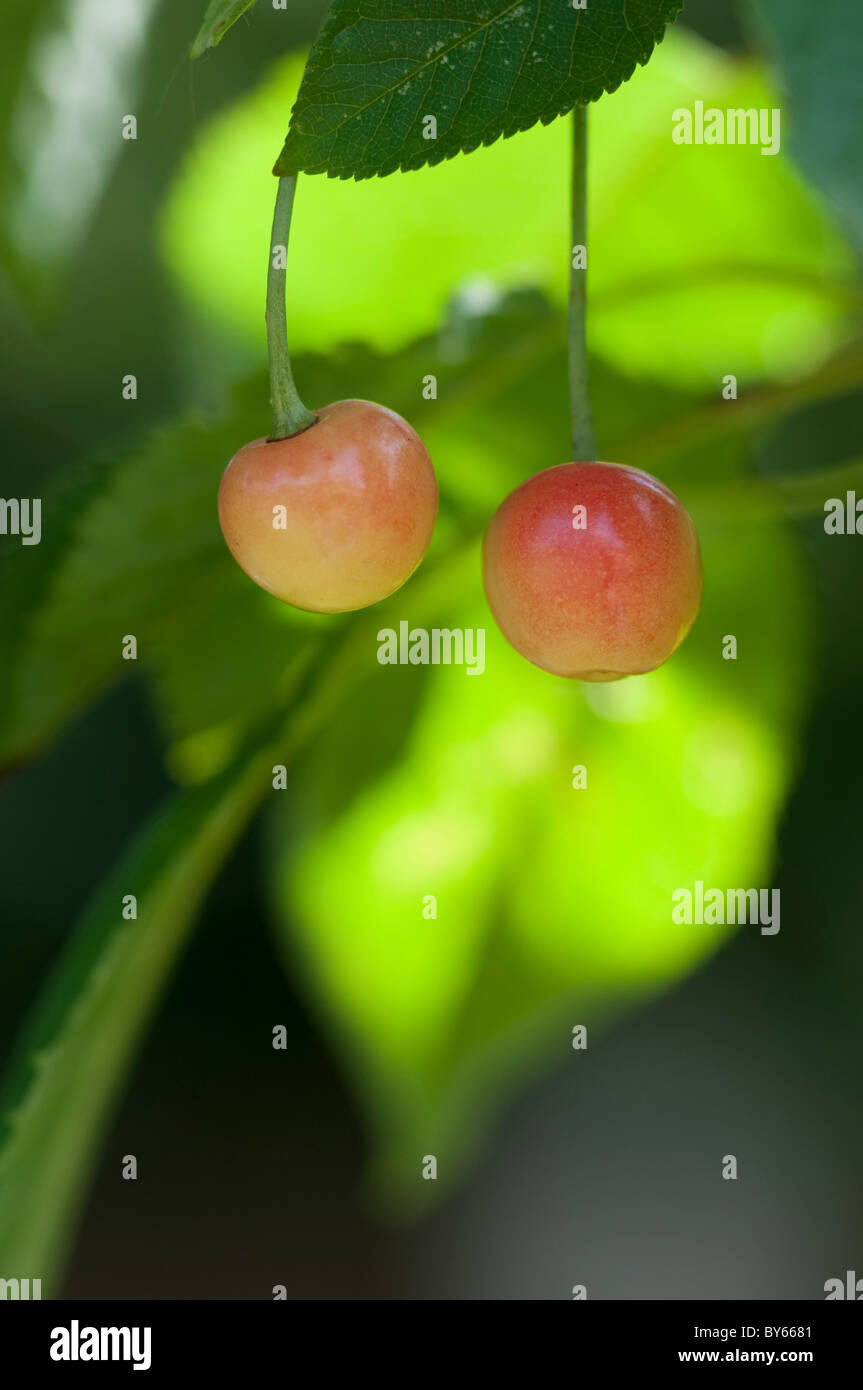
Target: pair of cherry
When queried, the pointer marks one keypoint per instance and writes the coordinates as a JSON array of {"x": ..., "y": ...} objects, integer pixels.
[{"x": 592, "y": 570}]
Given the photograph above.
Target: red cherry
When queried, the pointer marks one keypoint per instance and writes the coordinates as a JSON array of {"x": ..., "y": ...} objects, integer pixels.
[
  {"x": 593, "y": 571},
  {"x": 336, "y": 517}
]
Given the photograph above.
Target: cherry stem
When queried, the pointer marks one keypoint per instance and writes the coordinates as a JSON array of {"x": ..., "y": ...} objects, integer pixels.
[
  {"x": 583, "y": 438},
  {"x": 290, "y": 416}
]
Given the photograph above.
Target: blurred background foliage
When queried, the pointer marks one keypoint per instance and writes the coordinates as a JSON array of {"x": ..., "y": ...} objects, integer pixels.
[{"x": 553, "y": 904}]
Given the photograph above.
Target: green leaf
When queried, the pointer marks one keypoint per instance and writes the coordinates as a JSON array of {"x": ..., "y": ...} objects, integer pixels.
[
  {"x": 220, "y": 16},
  {"x": 752, "y": 254},
  {"x": 818, "y": 53},
  {"x": 380, "y": 67},
  {"x": 537, "y": 926},
  {"x": 78, "y": 1046},
  {"x": 231, "y": 664},
  {"x": 138, "y": 554},
  {"x": 26, "y": 577}
]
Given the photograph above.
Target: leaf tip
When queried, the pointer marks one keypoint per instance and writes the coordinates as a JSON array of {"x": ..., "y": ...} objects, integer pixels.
[
  {"x": 284, "y": 167},
  {"x": 206, "y": 38}
]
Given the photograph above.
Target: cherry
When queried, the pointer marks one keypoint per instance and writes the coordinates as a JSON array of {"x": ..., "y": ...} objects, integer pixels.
[
  {"x": 336, "y": 516},
  {"x": 592, "y": 570}
]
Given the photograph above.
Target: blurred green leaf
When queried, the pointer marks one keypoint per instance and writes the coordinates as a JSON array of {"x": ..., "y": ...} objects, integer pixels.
[
  {"x": 231, "y": 663},
  {"x": 218, "y": 19},
  {"x": 799, "y": 494},
  {"x": 753, "y": 280},
  {"x": 537, "y": 927},
  {"x": 380, "y": 68},
  {"x": 818, "y": 54},
  {"x": 22, "y": 24},
  {"x": 686, "y": 435},
  {"x": 78, "y": 1045},
  {"x": 139, "y": 554},
  {"x": 26, "y": 576}
]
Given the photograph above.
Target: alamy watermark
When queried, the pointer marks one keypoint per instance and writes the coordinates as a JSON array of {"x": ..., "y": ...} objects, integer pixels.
[
  {"x": 844, "y": 515},
  {"x": 21, "y": 516},
  {"x": 20, "y": 1290},
  {"x": 714, "y": 907},
  {"x": 735, "y": 126},
  {"x": 848, "y": 1288},
  {"x": 77, "y": 1343},
  {"x": 437, "y": 646}
]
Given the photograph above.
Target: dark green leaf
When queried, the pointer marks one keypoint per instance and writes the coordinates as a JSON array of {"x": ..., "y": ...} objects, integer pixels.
[
  {"x": 482, "y": 70},
  {"x": 220, "y": 15}
]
